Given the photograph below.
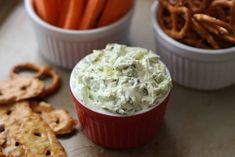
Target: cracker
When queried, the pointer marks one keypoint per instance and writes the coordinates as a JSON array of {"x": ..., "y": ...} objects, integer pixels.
[
  {"x": 40, "y": 73},
  {"x": 59, "y": 120},
  {"x": 20, "y": 88},
  {"x": 39, "y": 107},
  {"x": 2, "y": 155},
  {"x": 27, "y": 134},
  {"x": 54, "y": 85},
  {"x": 18, "y": 68},
  {"x": 2, "y": 135}
]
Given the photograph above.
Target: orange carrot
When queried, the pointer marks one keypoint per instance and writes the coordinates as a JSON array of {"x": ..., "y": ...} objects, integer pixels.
[
  {"x": 40, "y": 8},
  {"x": 74, "y": 14},
  {"x": 114, "y": 10},
  {"x": 64, "y": 8},
  {"x": 91, "y": 14},
  {"x": 47, "y": 10}
]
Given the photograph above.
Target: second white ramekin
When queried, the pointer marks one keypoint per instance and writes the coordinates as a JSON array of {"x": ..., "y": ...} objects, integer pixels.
[
  {"x": 194, "y": 67},
  {"x": 66, "y": 47}
]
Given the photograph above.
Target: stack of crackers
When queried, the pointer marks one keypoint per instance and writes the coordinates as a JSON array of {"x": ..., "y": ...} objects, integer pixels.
[{"x": 28, "y": 127}]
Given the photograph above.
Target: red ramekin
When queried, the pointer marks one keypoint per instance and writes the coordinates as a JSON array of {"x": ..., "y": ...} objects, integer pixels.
[{"x": 118, "y": 131}]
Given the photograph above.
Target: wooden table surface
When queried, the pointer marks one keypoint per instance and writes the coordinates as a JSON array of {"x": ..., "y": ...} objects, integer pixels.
[{"x": 197, "y": 123}]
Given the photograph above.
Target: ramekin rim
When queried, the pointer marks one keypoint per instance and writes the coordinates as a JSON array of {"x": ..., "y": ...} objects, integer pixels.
[
  {"x": 71, "y": 80},
  {"x": 181, "y": 45},
  {"x": 37, "y": 19}
]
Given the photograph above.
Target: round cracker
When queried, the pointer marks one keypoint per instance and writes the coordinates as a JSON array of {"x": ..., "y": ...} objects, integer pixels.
[
  {"x": 60, "y": 121},
  {"x": 20, "y": 88}
]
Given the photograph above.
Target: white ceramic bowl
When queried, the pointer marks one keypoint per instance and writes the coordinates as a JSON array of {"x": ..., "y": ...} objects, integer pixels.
[
  {"x": 194, "y": 67},
  {"x": 66, "y": 47}
]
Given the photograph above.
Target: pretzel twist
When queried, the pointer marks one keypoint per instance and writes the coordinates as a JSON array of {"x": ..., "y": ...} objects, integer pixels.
[
  {"x": 40, "y": 73},
  {"x": 199, "y": 23},
  {"x": 224, "y": 10},
  {"x": 203, "y": 18},
  {"x": 18, "y": 68},
  {"x": 197, "y": 6},
  {"x": 217, "y": 27},
  {"x": 175, "y": 11},
  {"x": 194, "y": 39},
  {"x": 204, "y": 34},
  {"x": 55, "y": 81}
]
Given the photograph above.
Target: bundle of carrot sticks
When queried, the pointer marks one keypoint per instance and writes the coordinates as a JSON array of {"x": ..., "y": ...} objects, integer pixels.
[{"x": 81, "y": 14}]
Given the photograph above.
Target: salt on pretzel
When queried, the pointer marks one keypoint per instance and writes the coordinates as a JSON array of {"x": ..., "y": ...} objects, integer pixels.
[
  {"x": 204, "y": 34},
  {"x": 174, "y": 11},
  {"x": 224, "y": 10}
]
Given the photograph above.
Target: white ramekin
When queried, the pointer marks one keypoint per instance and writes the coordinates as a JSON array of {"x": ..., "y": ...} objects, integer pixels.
[
  {"x": 194, "y": 67},
  {"x": 66, "y": 47}
]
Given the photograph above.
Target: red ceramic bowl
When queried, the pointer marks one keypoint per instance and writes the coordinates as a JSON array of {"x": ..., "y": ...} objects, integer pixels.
[{"x": 118, "y": 131}]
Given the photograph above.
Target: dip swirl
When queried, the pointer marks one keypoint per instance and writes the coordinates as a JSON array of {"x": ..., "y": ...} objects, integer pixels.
[{"x": 121, "y": 80}]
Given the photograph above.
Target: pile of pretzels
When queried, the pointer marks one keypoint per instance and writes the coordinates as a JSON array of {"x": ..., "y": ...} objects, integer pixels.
[{"x": 207, "y": 24}]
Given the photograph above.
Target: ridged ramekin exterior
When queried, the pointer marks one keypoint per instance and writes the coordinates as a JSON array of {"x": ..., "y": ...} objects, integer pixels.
[
  {"x": 65, "y": 47},
  {"x": 113, "y": 130},
  {"x": 120, "y": 132},
  {"x": 193, "y": 67}
]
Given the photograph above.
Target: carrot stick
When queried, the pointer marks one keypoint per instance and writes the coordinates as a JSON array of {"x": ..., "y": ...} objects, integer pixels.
[
  {"x": 40, "y": 8},
  {"x": 114, "y": 10},
  {"x": 47, "y": 10},
  {"x": 74, "y": 14},
  {"x": 64, "y": 8},
  {"x": 91, "y": 14}
]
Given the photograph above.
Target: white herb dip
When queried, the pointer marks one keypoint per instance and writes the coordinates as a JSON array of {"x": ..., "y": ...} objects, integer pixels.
[{"x": 121, "y": 80}]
